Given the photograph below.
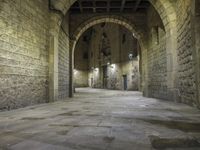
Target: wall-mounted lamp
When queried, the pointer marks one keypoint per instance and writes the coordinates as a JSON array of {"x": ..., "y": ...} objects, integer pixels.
[
  {"x": 130, "y": 56},
  {"x": 112, "y": 66},
  {"x": 75, "y": 71},
  {"x": 96, "y": 69}
]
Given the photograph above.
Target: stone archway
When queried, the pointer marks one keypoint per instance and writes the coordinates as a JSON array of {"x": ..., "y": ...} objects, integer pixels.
[
  {"x": 108, "y": 19},
  {"x": 97, "y": 20},
  {"x": 168, "y": 15}
]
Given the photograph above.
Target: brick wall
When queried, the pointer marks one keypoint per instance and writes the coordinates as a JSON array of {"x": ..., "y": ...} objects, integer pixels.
[{"x": 23, "y": 53}]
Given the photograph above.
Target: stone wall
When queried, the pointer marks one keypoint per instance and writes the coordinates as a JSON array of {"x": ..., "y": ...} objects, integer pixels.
[
  {"x": 63, "y": 62},
  {"x": 81, "y": 78},
  {"x": 157, "y": 66},
  {"x": 23, "y": 53},
  {"x": 81, "y": 60},
  {"x": 186, "y": 64},
  {"x": 120, "y": 43},
  {"x": 135, "y": 18},
  {"x": 196, "y": 33},
  {"x": 156, "y": 55}
]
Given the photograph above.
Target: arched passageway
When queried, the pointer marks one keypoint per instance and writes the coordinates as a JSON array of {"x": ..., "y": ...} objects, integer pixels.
[
  {"x": 39, "y": 40},
  {"x": 169, "y": 56},
  {"x": 107, "y": 55},
  {"x": 173, "y": 88},
  {"x": 167, "y": 13},
  {"x": 150, "y": 79},
  {"x": 137, "y": 33}
]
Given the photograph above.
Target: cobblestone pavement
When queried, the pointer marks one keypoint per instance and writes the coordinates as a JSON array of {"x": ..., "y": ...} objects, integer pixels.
[{"x": 97, "y": 119}]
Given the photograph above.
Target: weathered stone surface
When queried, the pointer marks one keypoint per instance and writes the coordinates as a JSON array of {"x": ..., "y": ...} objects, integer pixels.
[
  {"x": 118, "y": 43},
  {"x": 63, "y": 65},
  {"x": 23, "y": 53},
  {"x": 169, "y": 68},
  {"x": 186, "y": 69},
  {"x": 99, "y": 120}
]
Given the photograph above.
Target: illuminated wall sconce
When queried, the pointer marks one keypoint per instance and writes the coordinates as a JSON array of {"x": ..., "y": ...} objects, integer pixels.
[
  {"x": 112, "y": 66},
  {"x": 130, "y": 56},
  {"x": 96, "y": 69},
  {"x": 75, "y": 71}
]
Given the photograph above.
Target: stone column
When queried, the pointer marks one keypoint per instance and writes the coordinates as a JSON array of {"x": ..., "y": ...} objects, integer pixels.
[
  {"x": 145, "y": 85},
  {"x": 53, "y": 56},
  {"x": 197, "y": 35},
  {"x": 172, "y": 70},
  {"x": 71, "y": 65},
  {"x": 196, "y": 46},
  {"x": 145, "y": 73}
]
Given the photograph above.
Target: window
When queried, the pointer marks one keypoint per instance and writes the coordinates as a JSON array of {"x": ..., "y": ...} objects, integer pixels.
[
  {"x": 155, "y": 35},
  {"x": 123, "y": 38}
]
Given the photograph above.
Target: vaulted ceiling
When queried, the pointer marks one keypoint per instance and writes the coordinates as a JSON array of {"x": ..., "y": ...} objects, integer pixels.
[{"x": 109, "y": 6}]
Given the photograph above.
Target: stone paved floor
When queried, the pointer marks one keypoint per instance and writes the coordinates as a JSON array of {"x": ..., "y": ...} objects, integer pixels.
[{"x": 102, "y": 120}]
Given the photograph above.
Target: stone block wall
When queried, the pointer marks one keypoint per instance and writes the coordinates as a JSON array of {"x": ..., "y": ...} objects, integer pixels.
[
  {"x": 81, "y": 55},
  {"x": 136, "y": 18},
  {"x": 156, "y": 57},
  {"x": 196, "y": 21},
  {"x": 157, "y": 66},
  {"x": 120, "y": 42},
  {"x": 24, "y": 27},
  {"x": 63, "y": 65},
  {"x": 81, "y": 78},
  {"x": 186, "y": 64}
]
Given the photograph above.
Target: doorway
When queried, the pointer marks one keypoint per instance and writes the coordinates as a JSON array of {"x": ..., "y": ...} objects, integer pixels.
[
  {"x": 91, "y": 82},
  {"x": 125, "y": 82},
  {"x": 105, "y": 76}
]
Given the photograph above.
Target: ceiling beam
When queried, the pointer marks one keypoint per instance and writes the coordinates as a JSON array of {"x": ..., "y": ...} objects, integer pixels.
[
  {"x": 122, "y": 6},
  {"x": 80, "y": 6},
  {"x": 136, "y": 5},
  {"x": 108, "y": 6},
  {"x": 94, "y": 6}
]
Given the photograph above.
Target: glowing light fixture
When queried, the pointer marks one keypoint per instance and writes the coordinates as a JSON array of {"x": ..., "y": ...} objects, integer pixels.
[
  {"x": 130, "y": 56},
  {"x": 112, "y": 66},
  {"x": 96, "y": 69},
  {"x": 75, "y": 71}
]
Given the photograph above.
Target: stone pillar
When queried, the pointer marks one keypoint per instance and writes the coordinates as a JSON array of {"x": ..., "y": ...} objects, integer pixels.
[
  {"x": 71, "y": 66},
  {"x": 53, "y": 56},
  {"x": 196, "y": 44},
  {"x": 145, "y": 73},
  {"x": 143, "y": 45},
  {"x": 197, "y": 36},
  {"x": 172, "y": 70}
]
